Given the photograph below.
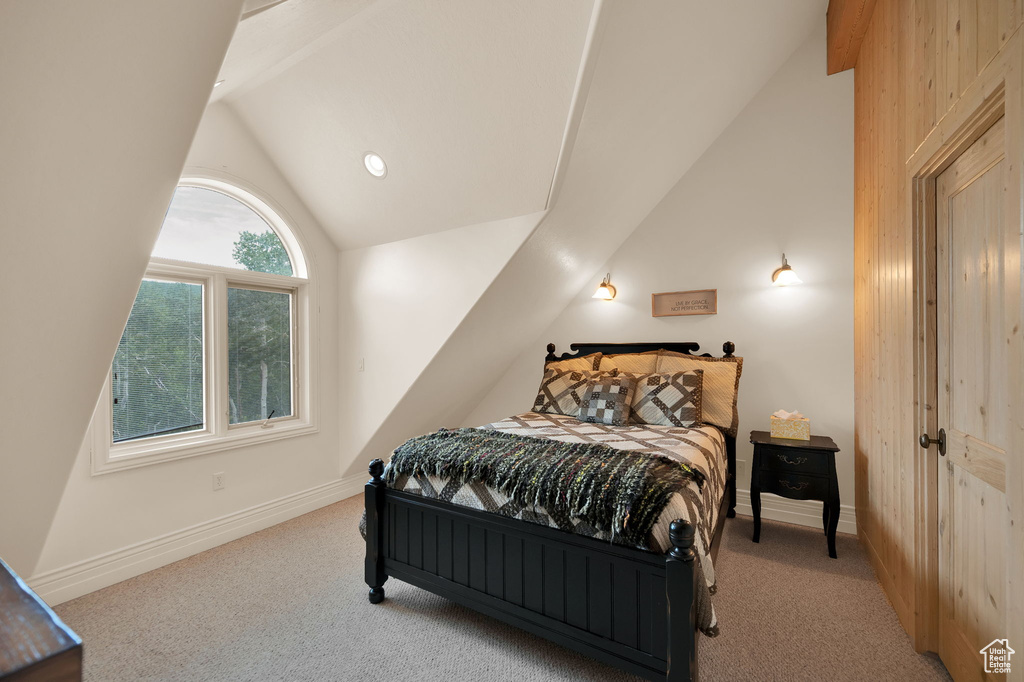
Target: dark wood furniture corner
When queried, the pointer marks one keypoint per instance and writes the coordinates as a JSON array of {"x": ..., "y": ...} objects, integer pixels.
[
  {"x": 34, "y": 643},
  {"x": 799, "y": 470}
]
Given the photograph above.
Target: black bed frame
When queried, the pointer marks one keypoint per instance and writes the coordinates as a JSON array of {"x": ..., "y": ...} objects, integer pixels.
[{"x": 629, "y": 608}]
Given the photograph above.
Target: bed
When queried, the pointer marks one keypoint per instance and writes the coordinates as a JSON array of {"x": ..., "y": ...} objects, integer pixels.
[{"x": 635, "y": 608}]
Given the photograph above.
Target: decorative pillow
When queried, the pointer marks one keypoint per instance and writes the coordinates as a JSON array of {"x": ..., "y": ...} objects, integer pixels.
[
  {"x": 668, "y": 399},
  {"x": 607, "y": 401},
  {"x": 590, "y": 362},
  {"x": 720, "y": 387},
  {"x": 638, "y": 363},
  {"x": 561, "y": 391}
]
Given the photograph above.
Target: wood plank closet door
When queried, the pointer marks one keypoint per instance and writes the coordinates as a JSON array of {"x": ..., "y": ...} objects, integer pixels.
[{"x": 974, "y": 250}]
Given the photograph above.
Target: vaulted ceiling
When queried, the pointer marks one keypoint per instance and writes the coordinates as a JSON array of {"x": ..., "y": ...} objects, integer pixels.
[{"x": 466, "y": 101}]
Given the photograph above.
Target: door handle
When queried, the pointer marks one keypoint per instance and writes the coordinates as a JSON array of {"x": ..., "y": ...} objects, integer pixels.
[{"x": 924, "y": 441}]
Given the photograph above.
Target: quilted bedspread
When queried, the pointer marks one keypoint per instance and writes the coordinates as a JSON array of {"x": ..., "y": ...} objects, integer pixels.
[{"x": 702, "y": 448}]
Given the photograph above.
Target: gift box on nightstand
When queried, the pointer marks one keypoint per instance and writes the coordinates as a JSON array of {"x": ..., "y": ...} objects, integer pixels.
[{"x": 790, "y": 425}]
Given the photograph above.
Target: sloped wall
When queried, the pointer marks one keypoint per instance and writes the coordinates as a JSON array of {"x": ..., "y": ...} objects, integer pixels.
[
  {"x": 638, "y": 134},
  {"x": 100, "y": 102},
  {"x": 779, "y": 179},
  {"x": 400, "y": 302},
  {"x": 102, "y": 518}
]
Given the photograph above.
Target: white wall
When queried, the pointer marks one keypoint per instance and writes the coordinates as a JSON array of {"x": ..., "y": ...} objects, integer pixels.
[
  {"x": 400, "y": 303},
  {"x": 634, "y": 134},
  {"x": 124, "y": 511},
  {"x": 779, "y": 179},
  {"x": 99, "y": 104}
]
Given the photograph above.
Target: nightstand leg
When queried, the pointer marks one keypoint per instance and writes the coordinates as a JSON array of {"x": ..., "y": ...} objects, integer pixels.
[
  {"x": 755, "y": 505},
  {"x": 833, "y": 523},
  {"x": 824, "y": 517}
]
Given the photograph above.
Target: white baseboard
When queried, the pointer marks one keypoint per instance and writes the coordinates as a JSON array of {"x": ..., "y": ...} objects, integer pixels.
[
  {"x": 800, "y": 512},
  {"x": 66, "y": 583}
]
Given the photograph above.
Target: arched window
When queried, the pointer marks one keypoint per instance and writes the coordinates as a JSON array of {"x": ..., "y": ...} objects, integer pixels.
[{"x": 213, "y": 354}]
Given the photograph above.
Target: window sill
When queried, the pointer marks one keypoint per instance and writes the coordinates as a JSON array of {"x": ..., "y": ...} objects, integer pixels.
[{"x": 106, "y": 459}]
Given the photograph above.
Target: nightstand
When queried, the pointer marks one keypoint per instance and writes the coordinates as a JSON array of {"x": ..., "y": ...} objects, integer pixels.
[{"x": 799, "y": 470}]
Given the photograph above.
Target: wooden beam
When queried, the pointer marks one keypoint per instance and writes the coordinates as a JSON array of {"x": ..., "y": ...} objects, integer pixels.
[{"x": 847, "y": 21}]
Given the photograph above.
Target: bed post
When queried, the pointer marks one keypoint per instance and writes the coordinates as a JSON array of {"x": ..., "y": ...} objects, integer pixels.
[
  {"x": 730, "y": 483},
  {"x": 728, "y": 348},
  {"x": 375, "y": 575},
  {"x": 681, "y": 590}
]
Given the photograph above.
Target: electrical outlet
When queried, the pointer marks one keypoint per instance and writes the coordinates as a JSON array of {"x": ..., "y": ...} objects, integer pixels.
[
  {"x": 362, "y": 364},
  {"x": 218, "y": 481}
]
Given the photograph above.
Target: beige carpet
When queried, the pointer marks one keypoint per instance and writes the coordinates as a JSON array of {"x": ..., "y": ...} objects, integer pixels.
[{"x": 289, "y": 603}]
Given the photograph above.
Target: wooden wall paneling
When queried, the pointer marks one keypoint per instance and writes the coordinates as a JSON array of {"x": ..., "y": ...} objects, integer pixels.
[
  {"x": 846, "y": 22},
  {"x": 885, "y": 514},
  {"x": 917, "y": 75},
  {"x": 952, "y": 52},
  {"x": 866, "y": 228},
  {"x": 890, "y": 231},
  {"x": 989, "y": 40},
  {"x": 1008, "y": 18},
  {"x": 921, "y": 108},
  {"x": 967, "y": 30},
  {"x": 902, "y": 356},
  {"x": 908, "y": 433},
  {"x": 864, "y": 289},
  {"x": 925, "y": 547},
  {"x": 860, "y": 291},
  {"x": 883, "y": 236},
  {"x": 883, "y": 476},
  {"x": 1014, "y": 329},
  {"x": 939, "y": 55}
]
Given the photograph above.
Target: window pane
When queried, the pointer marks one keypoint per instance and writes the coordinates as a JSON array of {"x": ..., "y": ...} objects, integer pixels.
[
  {"x": 259, "y": 355},
  {"x": 205, "y": 226},
  {"x": 158, "y": 369}
]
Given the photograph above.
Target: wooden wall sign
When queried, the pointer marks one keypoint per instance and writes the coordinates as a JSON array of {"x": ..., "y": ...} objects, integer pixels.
[{"x": 700, "y": 302}]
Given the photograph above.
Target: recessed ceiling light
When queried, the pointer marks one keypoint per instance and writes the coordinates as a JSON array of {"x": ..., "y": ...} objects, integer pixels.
[
  {"x": 375, "y": 165},
  {"x": 218, "y": 82}
]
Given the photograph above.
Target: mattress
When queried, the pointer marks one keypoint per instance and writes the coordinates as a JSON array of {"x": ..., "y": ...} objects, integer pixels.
[{"x": 700, "y": 447}]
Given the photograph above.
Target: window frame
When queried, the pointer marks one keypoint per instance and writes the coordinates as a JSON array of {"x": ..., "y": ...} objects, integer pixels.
[
  {"x": 218, "y": 433},
  {"x": 167, "y": 275}
]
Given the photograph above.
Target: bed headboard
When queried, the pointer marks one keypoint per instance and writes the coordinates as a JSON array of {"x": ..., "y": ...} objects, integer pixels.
[{"x": 688, "y": 347}]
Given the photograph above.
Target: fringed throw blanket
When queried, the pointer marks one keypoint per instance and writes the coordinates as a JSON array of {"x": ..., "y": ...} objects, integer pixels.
[
  {"x": 617, "y": 491},
  {"x": 701, "y": 449}
]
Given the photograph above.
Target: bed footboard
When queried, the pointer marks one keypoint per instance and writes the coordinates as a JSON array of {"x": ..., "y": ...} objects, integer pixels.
[{"x": 628, "y": 608}]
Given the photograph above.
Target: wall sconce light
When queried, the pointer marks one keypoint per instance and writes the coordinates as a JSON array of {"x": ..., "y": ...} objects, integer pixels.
[
  {"x": 785, "y": 276},
  {"x": 606, "y": 290}
]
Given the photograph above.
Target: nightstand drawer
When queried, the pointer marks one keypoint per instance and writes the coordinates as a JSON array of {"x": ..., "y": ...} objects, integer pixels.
[
  {"x": 794, "y": 486},
  {"x": 791, "y": 460}
]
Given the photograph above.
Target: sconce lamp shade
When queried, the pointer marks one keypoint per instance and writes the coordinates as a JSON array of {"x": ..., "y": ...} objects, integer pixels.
[
  {"x": 785, "y": 276},
  {"x": 606, "y": 290}
]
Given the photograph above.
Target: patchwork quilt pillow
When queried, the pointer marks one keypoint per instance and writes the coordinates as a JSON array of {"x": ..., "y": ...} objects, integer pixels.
[
  {"x": 668, "y": 399},
  {"x": 607, "y": 400},
  {"x": 720, "y": 387},
  {"x": 561, "y": 391}
]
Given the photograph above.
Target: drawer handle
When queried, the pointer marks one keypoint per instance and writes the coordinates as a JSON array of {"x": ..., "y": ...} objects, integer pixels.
[
  {"x": 790, "y": 486},
  {"x": 792, "y": 462}
]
